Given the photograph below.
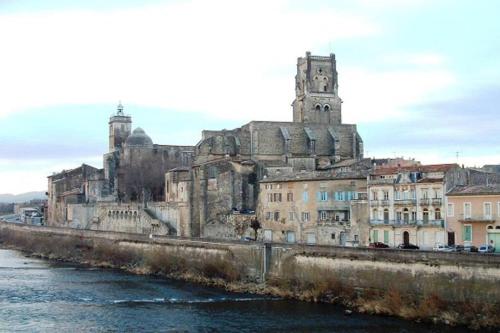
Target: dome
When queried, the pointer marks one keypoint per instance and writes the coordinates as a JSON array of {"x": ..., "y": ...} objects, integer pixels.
[{"x": 139, "y": 138}]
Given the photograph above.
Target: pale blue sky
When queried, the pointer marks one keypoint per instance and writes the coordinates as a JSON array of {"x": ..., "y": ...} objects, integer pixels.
[{"x": 419, "y": 77}]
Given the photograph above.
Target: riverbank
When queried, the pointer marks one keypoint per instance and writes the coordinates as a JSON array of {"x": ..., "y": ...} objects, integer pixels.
[{"x": 453, "y": 302}]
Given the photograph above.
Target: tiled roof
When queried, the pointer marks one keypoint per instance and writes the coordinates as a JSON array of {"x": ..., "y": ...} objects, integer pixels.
[
  {"x": 303, "y": 176},
  {"x": 475, "y": 190},
  {"x": 421, "y": 168}
]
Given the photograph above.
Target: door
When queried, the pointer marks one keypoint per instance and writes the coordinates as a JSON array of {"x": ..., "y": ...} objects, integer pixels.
[
  {"x": 342, "y": 238},
  {"x": 268, "y": 235},
  {"x": 406, "y": 238},
  {"x": 311, "y": 239},
  {"x": 451, "y": 238}
]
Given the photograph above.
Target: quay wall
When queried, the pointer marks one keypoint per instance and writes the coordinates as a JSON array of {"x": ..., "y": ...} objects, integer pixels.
[{"x": 406, "y": 283}]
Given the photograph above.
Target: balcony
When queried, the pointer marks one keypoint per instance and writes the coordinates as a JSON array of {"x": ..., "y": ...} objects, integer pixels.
[
  {"x": 402, "y": 223},
  {"x": 477, "y": 219},
  {"x": 405, "y": 202},
  {"x": 385, "y": 203},
  {"x": 437, "y": 201},
  {"x": 424, "y": 202}
]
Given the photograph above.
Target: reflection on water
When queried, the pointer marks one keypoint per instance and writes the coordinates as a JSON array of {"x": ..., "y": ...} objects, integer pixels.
[{"x": 39, "y": 296}]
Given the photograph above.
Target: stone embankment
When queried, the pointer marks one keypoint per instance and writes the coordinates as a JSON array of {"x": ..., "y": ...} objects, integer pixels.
[{"x": 452, "y": 288}]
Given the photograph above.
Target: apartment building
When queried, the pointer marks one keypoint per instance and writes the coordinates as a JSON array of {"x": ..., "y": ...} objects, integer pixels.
[
  {"x": 407, "y": 203},
  {"x": 314, "y": 208},
  {"x": 473, "y": 214}
]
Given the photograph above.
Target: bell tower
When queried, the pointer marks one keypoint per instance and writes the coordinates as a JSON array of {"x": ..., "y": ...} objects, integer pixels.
[
  {"x": 316, "y": 91},
  {"x": 119, "y": 128}
]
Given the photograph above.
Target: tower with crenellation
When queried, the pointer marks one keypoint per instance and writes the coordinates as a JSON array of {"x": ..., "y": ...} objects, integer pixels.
[{"x": 316, "y": 91}]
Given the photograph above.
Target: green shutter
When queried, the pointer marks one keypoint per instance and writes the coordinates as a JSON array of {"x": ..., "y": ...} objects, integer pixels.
[
  {"x": 386, "y": 237},
  {"x": 375, "y": 236}
]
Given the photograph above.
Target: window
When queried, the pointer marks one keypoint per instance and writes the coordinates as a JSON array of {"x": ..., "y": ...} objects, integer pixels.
[
  {"x": 305, "y": 196},
  {"x": 425, "y": 194},
  {"x": 398, "y": 216},
  {"x": 397, "y": 195},
  {"x": 317, "y": 107},
  {"x": 268, "y": 216},
  {"x": 437, "y": 214},
  {"x": 487, "y": 211},
  {"x": 326, "y": 108},
  {"x": 386, "y": 236},
  {"x": 413, "y": 216},
  {"x": 305, "y": 216},
  {"x": 323, "y": 196},
  {"x": 467, "y": 210},
  {"x": 356, "y": 238},
  {"x": 323, "y": 215},
  {"x": 278, "y": 186},
  {"x": 467, "y": 233},
  {"x": 289, "y": 197},
  {"x": 375, "y": 236},
  {"x": 291, "y": 216},
  {"x": 375, "y": 214},
  {"x": 333, "y": 235},
  {"x": 426, "y": 215},
  {"x": 276, "y": 216},
  {"x": 386, "y": 195},
  {"x": 451, "y": 210},
  {"x": 374, "y": 195}
]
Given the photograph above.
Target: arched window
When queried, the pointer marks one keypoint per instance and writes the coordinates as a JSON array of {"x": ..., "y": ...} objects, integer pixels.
[
  {"x": 375, "y": 214},
  {"x": 318, "y": 107},
  {"x": 386, "y": 215},
  {"x": 490, "y": 227},
  {"x": 497, "y": 227},
  {"x": 326, "y": 108},
  {"x": 437, "y": 214}
]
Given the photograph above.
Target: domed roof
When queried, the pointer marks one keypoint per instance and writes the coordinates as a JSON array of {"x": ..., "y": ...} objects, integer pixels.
[{"x": 139, "y": 138}]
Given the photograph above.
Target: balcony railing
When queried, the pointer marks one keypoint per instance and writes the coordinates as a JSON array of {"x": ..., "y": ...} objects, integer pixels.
[
  {"x": 477, "y": 218},
  {"x": 437, "y": 201},
  {"x": 402, "y": 223},
  {"x": 425, "y": 202},
  {"x": 405, "y": 202}
]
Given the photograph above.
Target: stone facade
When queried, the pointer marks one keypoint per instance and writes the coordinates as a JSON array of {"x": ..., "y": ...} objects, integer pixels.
[
  {"x": 212, "y": 189},
  {"x": 322, "y": 208}
]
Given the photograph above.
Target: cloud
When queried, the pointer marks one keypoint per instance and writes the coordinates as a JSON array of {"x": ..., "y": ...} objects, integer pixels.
[
  {"x": 199, "y": 56},
  {"x": 373, "y": 95}
]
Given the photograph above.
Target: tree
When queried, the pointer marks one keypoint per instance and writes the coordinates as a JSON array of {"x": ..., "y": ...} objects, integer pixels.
[{"x": 255, "y": 225}]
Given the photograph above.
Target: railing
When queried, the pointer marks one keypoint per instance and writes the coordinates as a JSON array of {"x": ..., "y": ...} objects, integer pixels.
[
  {"x": 477, "y": 218},
  {"x": 402, "y": 223},
  {"x": 424, "y": 202},
  {"x": 405, "y": 202},
  {"x": 437, "y": 201}
]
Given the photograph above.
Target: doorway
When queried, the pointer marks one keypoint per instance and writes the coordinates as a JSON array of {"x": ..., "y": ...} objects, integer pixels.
[
  {"x": 406, "y": 238},
  {"x": 451, "y": 238}
]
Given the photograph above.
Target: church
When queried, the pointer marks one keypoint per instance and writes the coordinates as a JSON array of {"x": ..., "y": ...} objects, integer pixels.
[{"x": 210, "y": 189}]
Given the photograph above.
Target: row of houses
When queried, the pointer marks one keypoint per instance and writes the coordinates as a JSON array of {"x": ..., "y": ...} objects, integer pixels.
[{"x": 358, "y": 204}]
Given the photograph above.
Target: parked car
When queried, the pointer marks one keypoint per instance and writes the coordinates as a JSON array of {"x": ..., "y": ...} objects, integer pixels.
[
  {"x": 442, "y": 248},
  {"x": 485, "y": 248},
  {"x": 457, "y": 248},
  {"x": 378, "y": 245},
  {"x": 408, "y": 247},
  {"x": 470, "y": 248}
]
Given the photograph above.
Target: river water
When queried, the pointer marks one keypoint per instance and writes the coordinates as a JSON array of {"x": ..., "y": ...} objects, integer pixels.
[{"x": 41, "y": 296}]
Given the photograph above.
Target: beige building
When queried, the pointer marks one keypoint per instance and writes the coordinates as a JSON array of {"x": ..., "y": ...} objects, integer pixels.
[
  {"x": 314, "y": 208},
  {"x": 407, "y": 203},
  {"x": 473, "y": 214}
]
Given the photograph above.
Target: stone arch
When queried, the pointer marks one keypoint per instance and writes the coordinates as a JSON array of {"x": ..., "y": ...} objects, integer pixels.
[
  {"x": 326, "y": 107},
  {"x": 317, "y": 107}
]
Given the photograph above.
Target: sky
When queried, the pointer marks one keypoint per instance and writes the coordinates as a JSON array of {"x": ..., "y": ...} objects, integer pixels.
[{"x": 418, "y": 77}]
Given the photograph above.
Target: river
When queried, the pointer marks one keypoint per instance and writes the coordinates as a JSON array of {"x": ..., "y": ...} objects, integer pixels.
[{"x": 43, "y": 296}]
